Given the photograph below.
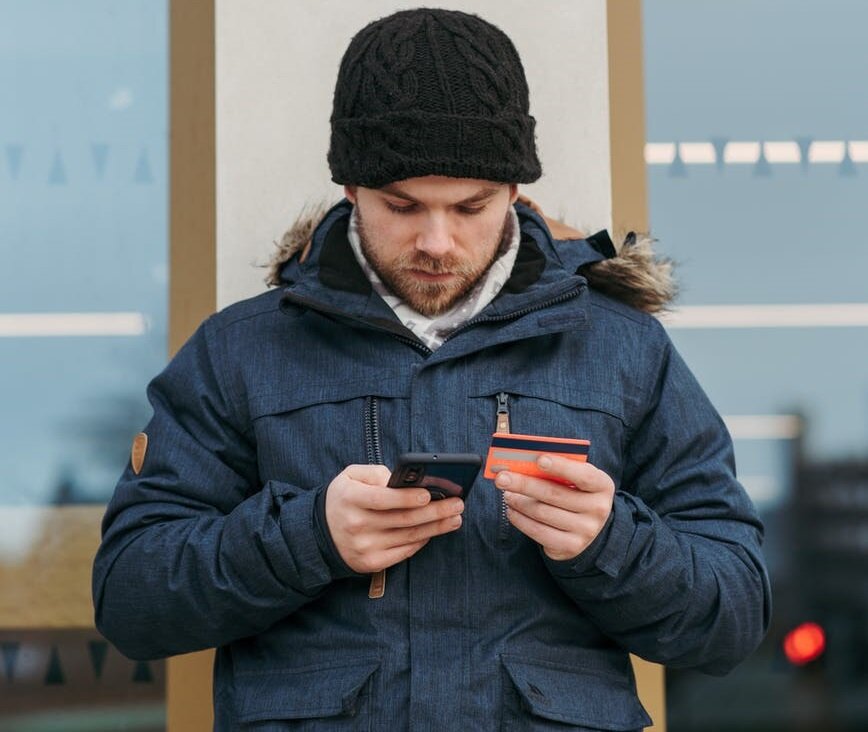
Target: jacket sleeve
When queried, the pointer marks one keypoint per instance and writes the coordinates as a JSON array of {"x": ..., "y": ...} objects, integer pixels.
[
  {"x": 195, "y": 553},
  {"x": 677, "y": 575}
]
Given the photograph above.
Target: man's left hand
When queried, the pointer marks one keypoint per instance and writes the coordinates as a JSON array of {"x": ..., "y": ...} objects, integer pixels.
[{"x": 563, "y": 519}]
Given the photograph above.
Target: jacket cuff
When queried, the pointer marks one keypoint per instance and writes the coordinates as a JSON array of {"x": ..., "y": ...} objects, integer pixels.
[
  {"x": 607, "y": 553},
  {"x": 298, "y": 525}
]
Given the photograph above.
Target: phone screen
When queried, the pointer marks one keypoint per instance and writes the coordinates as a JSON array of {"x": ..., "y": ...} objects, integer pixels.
[{"x": 442, "y": 474}]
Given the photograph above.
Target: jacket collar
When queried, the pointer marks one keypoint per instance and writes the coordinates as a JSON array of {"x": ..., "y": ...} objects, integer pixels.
[
  {"x": 331, "y": 282},
  {"x": 330, "y": 258},
  {"x": 629, "y": 271}
]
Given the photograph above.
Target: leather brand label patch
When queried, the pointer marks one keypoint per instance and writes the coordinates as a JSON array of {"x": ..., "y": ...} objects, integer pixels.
[
  {"x": 137, "y": 454},
  {"x": 378, "y": 585}
]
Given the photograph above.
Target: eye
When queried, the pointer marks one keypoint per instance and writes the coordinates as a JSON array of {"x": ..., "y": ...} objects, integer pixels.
[
  {"x": 410, "y": 208},
  {"x": 471, "y": 210}
]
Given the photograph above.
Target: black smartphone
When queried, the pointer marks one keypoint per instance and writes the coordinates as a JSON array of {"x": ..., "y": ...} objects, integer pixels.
[{"x": 444, "y": 474}]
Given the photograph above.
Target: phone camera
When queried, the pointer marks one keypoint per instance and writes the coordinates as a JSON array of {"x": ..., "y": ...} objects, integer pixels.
[{"x": 412, "y": 475}]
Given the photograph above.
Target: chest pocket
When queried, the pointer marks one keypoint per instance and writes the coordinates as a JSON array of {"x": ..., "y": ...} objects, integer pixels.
[
  {"x": 549, "y": 410},
  {"x": 306, "y": 435},
  {"x": 545, "y": 410}
]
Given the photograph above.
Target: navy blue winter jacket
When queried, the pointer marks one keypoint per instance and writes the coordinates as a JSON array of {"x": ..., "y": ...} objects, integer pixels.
[{"x": 220, "y": 539}]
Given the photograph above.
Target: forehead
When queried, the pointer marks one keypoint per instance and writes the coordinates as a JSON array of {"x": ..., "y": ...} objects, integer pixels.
[{"x": 442, "y": 189}]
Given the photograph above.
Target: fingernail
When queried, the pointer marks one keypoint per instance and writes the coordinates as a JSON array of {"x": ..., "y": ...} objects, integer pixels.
[
  {"x": 456, "y": 521},
  {"x": 503, "y": 480},
  {"x": 544, "y": 462},
  {"x": 424, "y": 498}
]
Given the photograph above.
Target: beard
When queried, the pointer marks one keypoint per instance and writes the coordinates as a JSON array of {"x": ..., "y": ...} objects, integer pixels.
[{"x": 433, "y": 298}]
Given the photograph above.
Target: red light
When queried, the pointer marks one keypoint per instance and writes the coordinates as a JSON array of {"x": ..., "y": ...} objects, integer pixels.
[{"x": 804, "y": 643}]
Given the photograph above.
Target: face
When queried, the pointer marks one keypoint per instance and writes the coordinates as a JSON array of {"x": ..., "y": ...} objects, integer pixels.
[{"x": 430, "y": 239}]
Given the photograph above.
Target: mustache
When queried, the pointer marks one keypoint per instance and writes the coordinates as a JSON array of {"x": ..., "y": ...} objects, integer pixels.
[{"x": 434, "y": 265}]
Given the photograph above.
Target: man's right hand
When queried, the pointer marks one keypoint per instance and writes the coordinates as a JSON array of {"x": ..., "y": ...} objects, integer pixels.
[{"x": 374, "y": 526}]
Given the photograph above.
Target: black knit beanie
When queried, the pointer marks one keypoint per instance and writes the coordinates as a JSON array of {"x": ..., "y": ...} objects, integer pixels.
[{"x": 431, "y": 92}]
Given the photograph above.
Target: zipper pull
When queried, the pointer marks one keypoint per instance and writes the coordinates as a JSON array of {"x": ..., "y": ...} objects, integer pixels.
[
  {"x": 378, "y": 585},
  {"x": 503, "y": 413}
]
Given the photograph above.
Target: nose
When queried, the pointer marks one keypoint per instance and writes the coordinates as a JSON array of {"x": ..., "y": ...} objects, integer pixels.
[{"x": 435, "y": 238}]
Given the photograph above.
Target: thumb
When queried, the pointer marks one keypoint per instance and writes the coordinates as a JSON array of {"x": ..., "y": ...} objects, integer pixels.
[{"x": 370, "y": 474}]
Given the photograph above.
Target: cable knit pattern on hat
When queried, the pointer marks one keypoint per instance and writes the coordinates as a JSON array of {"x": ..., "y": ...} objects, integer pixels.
[{"x": 431, "y": 92}]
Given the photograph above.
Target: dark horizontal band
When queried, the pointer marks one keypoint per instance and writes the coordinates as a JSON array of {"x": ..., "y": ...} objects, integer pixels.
[{"x": 516, "y": 443}]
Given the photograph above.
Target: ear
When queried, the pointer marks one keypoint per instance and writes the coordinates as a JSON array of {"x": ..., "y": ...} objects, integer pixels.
[
  {"x": 513, "y": 193},
  {"x": 350, "y": 193}
]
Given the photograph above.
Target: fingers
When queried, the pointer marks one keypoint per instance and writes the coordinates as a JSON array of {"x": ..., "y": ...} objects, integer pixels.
[
  {"x": 391, "y": 557},
  {"x": 563, "y": 519},
  {"x": 386, "y": 519},
  {"x": 568, "y": 508},
  {"x": 374, "y": 526},
  {"x": 365, "y": 486},
  {"x": 373, "y": 551},
  {"x": 382, "y": 498},
  {"x": 584, "y": 476},
  {"x": 584, "y": 524},
  {"x": 537, "y": 488},
  {"x": 557, "y": 544},
  {"x": 434, "y": 511},
  {"x": 543, "y": 513},
  {"x": 423, "y": 532}
]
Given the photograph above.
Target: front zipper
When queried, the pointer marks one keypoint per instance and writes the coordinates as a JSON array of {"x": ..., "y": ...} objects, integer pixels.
[
  {"x": 373, "y": 449},
  {"x": 374, "y": 453},
  {"x": 502, "y": 426}
]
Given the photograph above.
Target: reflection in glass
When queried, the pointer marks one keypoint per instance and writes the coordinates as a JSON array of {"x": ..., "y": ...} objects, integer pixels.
[
  {"x": 83, "y": 159},
  {"x": 74, "y": 680},
  {"x": 83, "y": 216},
  {"x": 767, "y": 231}
]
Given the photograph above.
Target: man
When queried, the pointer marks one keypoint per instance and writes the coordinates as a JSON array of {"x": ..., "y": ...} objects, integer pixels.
[{"x": 422, "y": 313}]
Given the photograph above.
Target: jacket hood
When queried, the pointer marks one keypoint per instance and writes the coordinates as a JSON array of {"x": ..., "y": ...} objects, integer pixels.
[{"x": 635, "y": 275}]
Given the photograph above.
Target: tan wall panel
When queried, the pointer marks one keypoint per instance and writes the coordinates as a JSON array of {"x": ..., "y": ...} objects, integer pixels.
[
  {"x": 193, "y": 266},
  {"x": 651, "y": 683},
  {"x": 627, "y": 116},
  {"x": 188, "y": 692},
  {"x": 192, "y": 166},
  {"x": 46, "y": 577}
]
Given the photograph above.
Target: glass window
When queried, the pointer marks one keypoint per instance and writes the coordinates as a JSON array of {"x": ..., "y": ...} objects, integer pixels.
[
  {"x": 73, "y": 680},
  {"x": 84, "y": 221},
  {"x": 757, "y": 153},
  {"x": 83, "y": 293}
]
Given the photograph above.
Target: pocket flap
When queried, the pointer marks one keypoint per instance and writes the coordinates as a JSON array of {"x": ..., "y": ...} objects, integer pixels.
[
  {"x": 303, "y": 693},
  {"x": 578, "y": 398},
  {"x": 576, "y": 696},
  {"x": 385, "y": 384}
]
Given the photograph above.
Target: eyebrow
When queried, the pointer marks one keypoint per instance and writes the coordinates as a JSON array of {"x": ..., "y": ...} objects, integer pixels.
[{"x": 478, "y": 197}]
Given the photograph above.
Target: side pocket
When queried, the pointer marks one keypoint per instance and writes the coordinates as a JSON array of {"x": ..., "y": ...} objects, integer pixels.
[
  {"x": 540, "y": 696},
  {"x": 327, "y": 697}
]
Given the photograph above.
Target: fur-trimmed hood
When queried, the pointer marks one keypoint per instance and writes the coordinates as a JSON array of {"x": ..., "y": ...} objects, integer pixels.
[{"x": 635, "y": 275}]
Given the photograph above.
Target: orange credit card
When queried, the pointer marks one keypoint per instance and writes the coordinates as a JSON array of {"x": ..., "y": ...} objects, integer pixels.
[{"x": 519, "y": 453}]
